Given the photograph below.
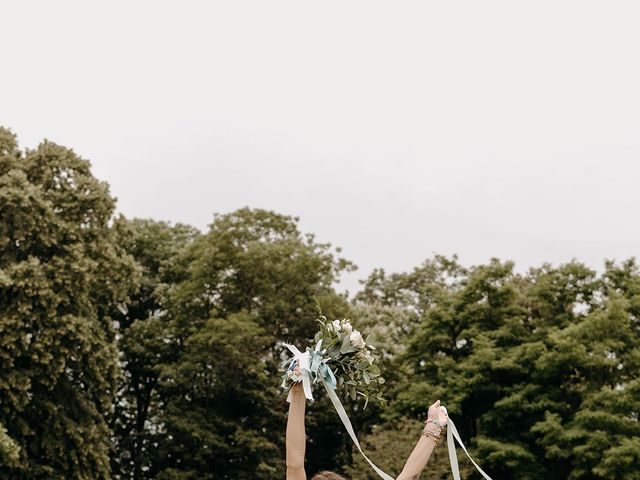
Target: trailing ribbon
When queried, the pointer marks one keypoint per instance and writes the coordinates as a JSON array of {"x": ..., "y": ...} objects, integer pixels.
[
  {"x": 313, "y": 367},
  {"x": 347, "y": 425},
  {"x": 452, "y": 432}
]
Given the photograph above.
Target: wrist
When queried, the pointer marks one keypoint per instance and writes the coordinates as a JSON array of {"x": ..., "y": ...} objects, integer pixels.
[
  {"x": 434, "y": 421},
  {"x": 433, "y": 429}
]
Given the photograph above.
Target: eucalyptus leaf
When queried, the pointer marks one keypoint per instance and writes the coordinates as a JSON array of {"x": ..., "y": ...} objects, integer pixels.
[
  {"x": 363, "y": 365},
  {"x": 346, "y": 345}
]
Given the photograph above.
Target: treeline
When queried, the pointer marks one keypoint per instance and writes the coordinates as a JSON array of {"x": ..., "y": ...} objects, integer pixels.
[{"x": 137, "y": 349}]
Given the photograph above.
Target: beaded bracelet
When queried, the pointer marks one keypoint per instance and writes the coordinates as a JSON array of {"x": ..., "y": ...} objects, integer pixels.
[
  {"x": 431, "y": 433},
  {"x": 435, "y": 422}
]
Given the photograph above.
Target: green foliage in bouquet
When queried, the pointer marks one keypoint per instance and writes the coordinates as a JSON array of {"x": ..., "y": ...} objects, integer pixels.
[{"x": 350, "y": 357}]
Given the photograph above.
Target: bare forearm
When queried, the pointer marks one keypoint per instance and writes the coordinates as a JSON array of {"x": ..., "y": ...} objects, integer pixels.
[
  {"x": 296, "y": 439},
  {"x": 418, "y": 459}
]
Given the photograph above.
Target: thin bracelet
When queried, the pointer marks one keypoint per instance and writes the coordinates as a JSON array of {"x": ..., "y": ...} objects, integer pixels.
[
  {"x": 431, "y": 433},
  {"x": 435, "y": 422}
]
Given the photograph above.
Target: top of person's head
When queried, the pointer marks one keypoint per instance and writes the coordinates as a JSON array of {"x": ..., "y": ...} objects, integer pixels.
[{"x": 327, "y": 476}]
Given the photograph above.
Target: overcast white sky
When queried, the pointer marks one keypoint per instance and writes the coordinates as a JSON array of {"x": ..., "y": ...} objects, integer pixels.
[{"x": 393, "y": 129}]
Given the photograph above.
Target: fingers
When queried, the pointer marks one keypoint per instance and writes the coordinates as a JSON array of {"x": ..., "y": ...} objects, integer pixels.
[
  {"x": 443, "y": 415},
  {"x": 436, "y": 404}
]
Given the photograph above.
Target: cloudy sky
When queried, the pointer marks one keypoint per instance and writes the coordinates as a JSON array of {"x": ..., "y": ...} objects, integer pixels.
[{"x": 393, "y": 129}]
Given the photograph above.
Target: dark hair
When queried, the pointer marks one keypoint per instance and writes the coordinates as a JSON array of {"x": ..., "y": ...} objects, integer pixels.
[{"x": 327, "y": 476}]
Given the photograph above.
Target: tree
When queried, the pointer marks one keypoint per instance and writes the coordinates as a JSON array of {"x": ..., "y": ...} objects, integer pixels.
[
  {"x": 61, "y": 272},
  {"x": 157, "y": 247},
  {"x": 538, "y": 370},
  {"x": 250, "y": 283},
  {"x": 9, "y": 450},
  {"x": 595, "y": 364}
]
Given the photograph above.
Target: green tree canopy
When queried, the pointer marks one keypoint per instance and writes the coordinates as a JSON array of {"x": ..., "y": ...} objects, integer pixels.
[
  {"x": 539, "y": 370},
  {"x": 62, "y": 270},
  {"x": 246, "y": 284},
  {"x": 157, "y": 247}
]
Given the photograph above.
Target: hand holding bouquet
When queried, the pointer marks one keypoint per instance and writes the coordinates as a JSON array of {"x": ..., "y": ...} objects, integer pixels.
[{"x": 341, "y": 358}]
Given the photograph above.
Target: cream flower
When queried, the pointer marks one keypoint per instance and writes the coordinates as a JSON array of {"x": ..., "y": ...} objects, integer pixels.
[
  {"x": 346, "y": 327},
  {"x": 356, "y": 339},
  {"x": 336, "y": 326}
]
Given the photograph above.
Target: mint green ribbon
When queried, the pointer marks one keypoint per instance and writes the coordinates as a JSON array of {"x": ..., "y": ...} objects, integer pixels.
[
  {"x": 327, "y": 376},
  {"x": 313, "y": 368}
]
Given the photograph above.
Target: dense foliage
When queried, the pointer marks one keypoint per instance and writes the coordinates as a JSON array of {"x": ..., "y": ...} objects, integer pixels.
[
  {"x": 62, "y": 270},
  {"x": 138, "y": 349}
]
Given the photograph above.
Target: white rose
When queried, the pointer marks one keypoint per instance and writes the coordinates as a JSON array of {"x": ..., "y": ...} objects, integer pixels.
[
  {"x": 356, "y": 339},
  {"x": 336, "y": 326},
  {"x": 346, "y": 326}
]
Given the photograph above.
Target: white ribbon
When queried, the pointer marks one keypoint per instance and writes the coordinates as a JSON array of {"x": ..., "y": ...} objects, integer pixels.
[
  {"x": 347, "y": 425},
  {"x": 452, "y": 432},
  {"x": 305, "y": 370}
]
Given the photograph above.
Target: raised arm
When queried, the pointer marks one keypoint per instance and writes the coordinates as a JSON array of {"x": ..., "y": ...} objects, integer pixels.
[
  {"x": 424, "y": 448},
  {"x": 296, "y": 439}
]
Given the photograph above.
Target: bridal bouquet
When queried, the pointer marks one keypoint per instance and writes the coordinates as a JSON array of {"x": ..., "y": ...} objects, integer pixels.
[{"x": 341, "y": 359}]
